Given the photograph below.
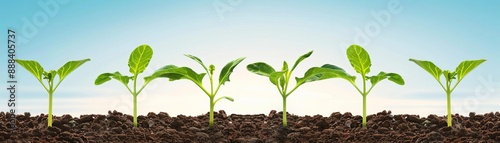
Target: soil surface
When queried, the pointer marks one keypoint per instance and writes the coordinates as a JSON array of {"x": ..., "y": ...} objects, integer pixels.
[{"x": 261, "y": 128}]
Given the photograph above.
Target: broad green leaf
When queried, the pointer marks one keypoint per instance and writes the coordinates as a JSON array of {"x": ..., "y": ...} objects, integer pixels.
[
  {"x": 396, "y": 78},
  {"x": 260, "y": 68},
  {"x": 430, "y": 68},
  {"x": 227, "y": 70},
  {"x": 467, "y": 66},
  {"x": 69, "y": 67},
  {"x": 339, "y": 72},
  {"x": 275, "y": 77},
  {"x": 108, "y": 76},
  {"x": 375, "y": 79},
  {"x": 161, "y": 72},
  {"x": 333, "y": 67},
  {"x": 102, "y": 78},
  {"x": 199, "y": 61},
  {"x": 182, "y": 73},
  {"x": 359, "y": 59},
  {"x": 301, "y": 58},
  {"x": 33, "y": 67},
  {"x": 319, "y": 73},
  {"x": 139, "y": 59},
  {"x": 123, "y": 78},
  {"x": 312, "y": 74}
]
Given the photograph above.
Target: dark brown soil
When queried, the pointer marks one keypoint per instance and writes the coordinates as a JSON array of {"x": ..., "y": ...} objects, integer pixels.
[{"x": 382, "y": 127}]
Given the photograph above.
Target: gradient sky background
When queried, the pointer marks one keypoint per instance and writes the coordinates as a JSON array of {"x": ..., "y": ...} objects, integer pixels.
[{"x": 445, "y": 32}]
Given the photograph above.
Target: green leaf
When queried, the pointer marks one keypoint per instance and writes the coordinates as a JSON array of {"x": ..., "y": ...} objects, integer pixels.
[
  {"x": 227, "y": 70},
  {"x": 341, "y": 73},
  {"x": 333, "y": 67},
  {"x": 139, "y": 59},
  {"x": 430, "y": 68},
  {"x": 396, "y": 78},
  {"x": 107, "y": 76},
  {"x": 301, "y": 58},
  {"x": 275, "y": 77},
  {"x": 102, "y": 78},
  {"x": 375, "y": 79},
  {"x": 467, "y": 66},
  {"x": 162, "y": 73},
  {"x": 182, "y": 73},
  {"x": 260, "y": 68},
  {"x": 122, "y": 78},
  {"x": 199, "y": 61},
  {"x": 359, "y": 59},
  {"x": 33, "y": 67},
  {"x": 319, "y": 73},
  {"x": 285, "y": 66},
  {"x": 283, "y": 79},
  {"x": 69, "y": 67}
]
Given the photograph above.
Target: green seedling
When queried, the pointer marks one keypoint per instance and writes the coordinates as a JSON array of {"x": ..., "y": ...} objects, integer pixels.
[
  {"x": 281, "y": 79},
  {"x": 138, "y": 61},
  {"x": 37, "y": 70},
  {"x": 360, "y": 61},
  {"x": 176, "y": 73},
  {"x": 460, "y": 72}
]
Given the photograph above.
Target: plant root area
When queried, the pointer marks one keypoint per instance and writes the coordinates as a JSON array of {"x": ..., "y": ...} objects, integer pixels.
[{"x": 234, "y": 128}]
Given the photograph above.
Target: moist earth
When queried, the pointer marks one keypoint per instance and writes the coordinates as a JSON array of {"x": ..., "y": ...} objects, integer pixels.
[{"x": 260, "y": 128}]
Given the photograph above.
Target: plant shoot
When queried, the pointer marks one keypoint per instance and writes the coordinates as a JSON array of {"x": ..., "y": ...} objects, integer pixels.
[
  {"x": 138, "y": 61},
  {"x": 360, "y": 61},
  {"x": 176, "y": 73},
  {"x": 460, "y": 72},
  {"x": 40, "y": 74}
]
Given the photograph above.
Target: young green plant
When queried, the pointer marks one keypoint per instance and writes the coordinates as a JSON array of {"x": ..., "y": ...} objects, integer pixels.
[
  {"x": 37, "y": 70},
  {"x": 360, "y": 61},
  {"x": 137, "y": 63},
  {"x": 176, "y": 73},
  {"x": 281, "y": 79},
  {"x": 460, "y": 72}
]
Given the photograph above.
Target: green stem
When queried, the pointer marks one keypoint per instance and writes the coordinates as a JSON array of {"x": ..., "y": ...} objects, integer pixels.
[
  {"x": 135, "y": 111},
  {"x": 287, "y": 78},
  {"x": 448, "y": 99},
  {"x": 364, "y": 111},
  {"x": 135, "y": 100},
  {"x": 364, "y": 84},
  {"x": 211, "y": 118},
  {"x": 202, "y": 88},
  {"x": 284, "y": 112},
  {"x": 212, "y": 85},
  {"x": 44, "y": 86},
  {"x": 296, "y": 86},
  {"x": 364, "y": 101},
  {"x": 49, "y": 117},
  {"x": 143, "y": 86}
]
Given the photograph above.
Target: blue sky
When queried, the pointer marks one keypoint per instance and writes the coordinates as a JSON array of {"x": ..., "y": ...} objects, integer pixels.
[{"x": 217, "y": 31}]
